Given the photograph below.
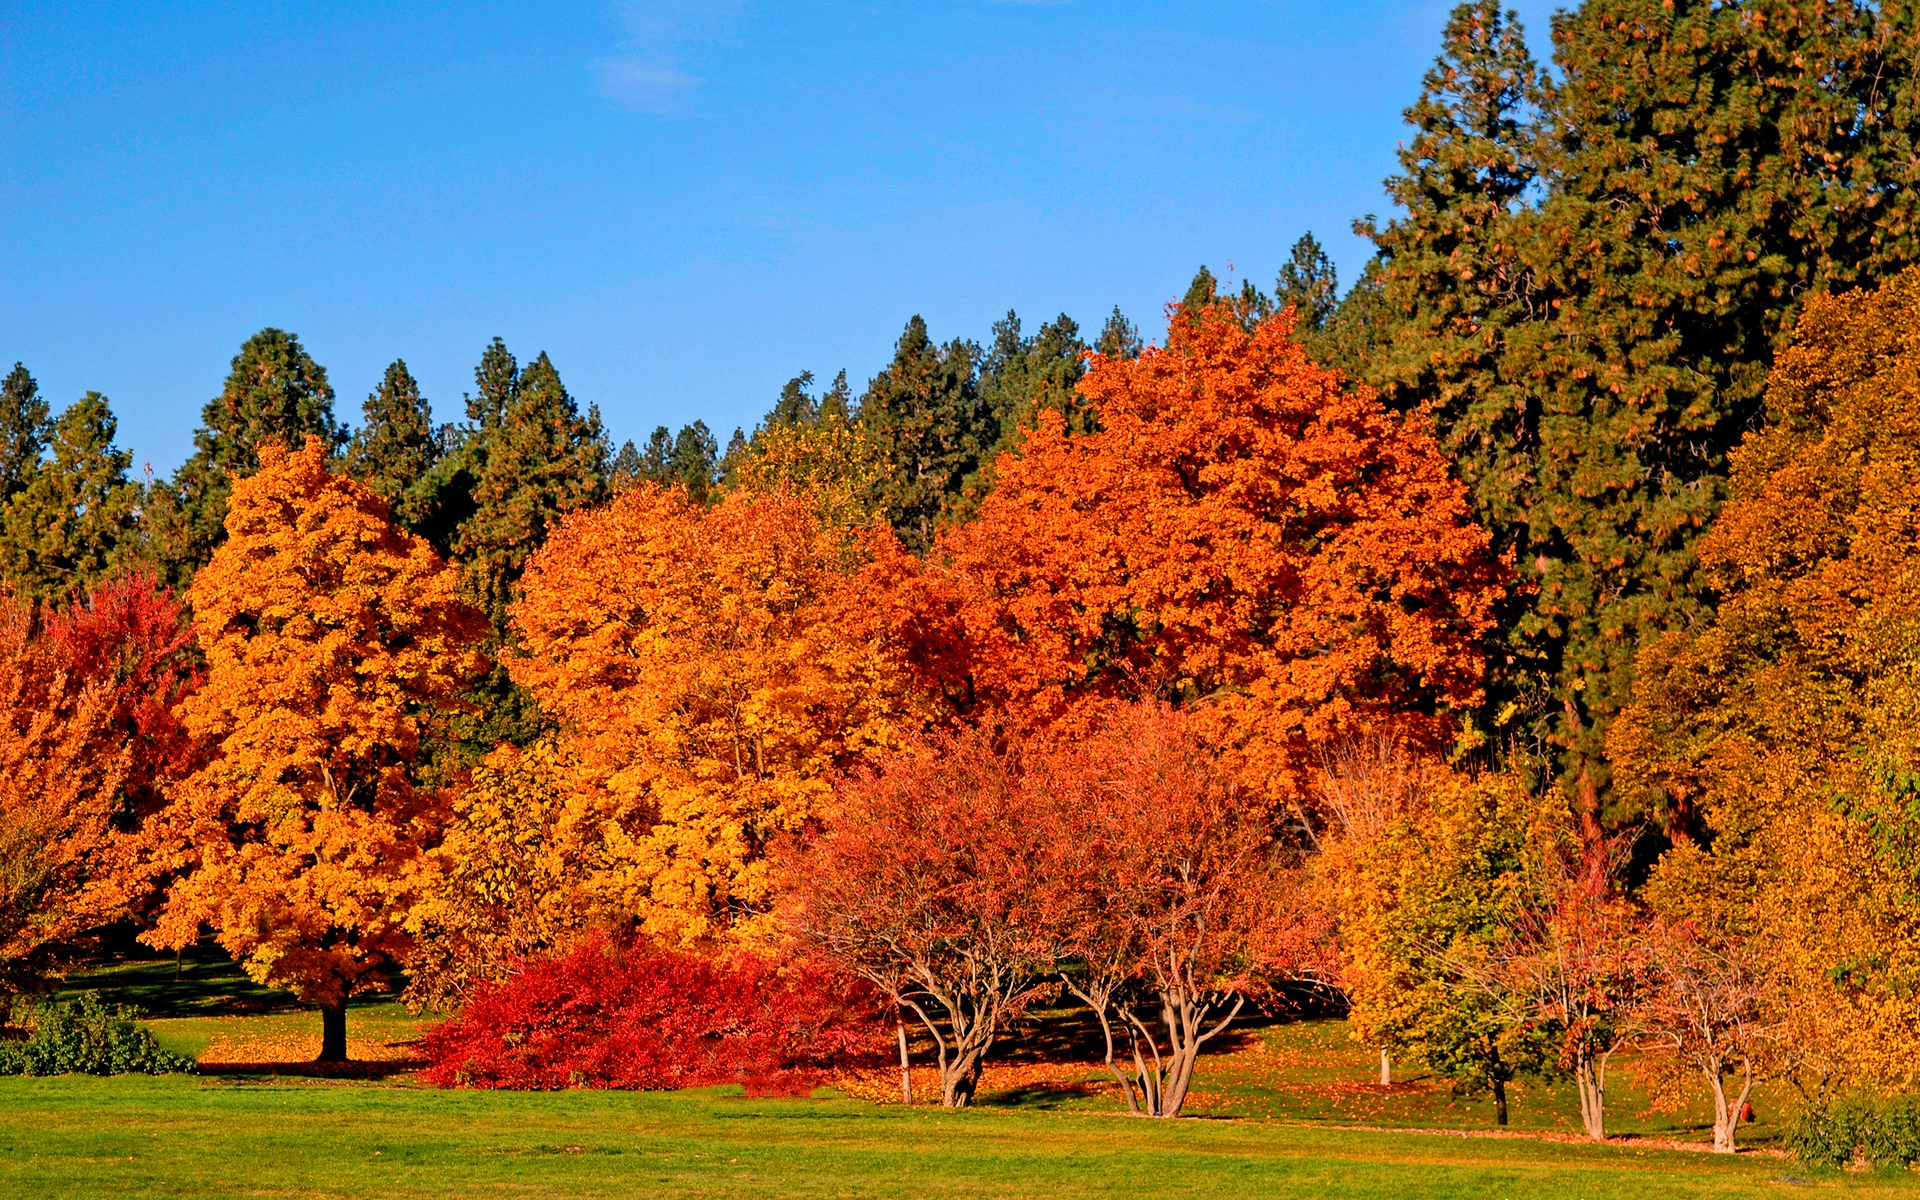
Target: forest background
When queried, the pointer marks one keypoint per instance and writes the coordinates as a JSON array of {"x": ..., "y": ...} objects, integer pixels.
[{"x": 1530, "y": 626}]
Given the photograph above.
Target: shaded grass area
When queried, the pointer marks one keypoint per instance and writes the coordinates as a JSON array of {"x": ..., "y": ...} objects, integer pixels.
[
  {"x": 204, "y": 1006},
  {"x": 176, "y": 1137}
]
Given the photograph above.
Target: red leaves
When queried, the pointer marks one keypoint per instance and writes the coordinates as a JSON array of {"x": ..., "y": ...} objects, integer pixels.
[
  {"x": 132, "y": 635},
  {"x": 644, "y": 1017}
]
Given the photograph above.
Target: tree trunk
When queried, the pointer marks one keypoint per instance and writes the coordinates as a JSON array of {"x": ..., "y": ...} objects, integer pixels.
[
  {"x": 1727, "y": 1110},
  {"x": 333, "y": 1032},
  {"x": 1590, "y": 1078},
  {"x": 1500, "y": 1103},
  {"x": 906, "y": 1068},
  {"x": 1386, "y": 1069},
  {"x": 1187, "y": 1031}
]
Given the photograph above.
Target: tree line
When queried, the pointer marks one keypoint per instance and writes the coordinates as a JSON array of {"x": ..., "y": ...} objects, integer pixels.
[{"x": 1525, "y": 636}]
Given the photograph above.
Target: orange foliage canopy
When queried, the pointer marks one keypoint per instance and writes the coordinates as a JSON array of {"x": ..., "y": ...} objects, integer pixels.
[
  {"x": 330, "y": 636},
  {"x": 711, "y": 677},
  {"x": 1245, "y": 530}
]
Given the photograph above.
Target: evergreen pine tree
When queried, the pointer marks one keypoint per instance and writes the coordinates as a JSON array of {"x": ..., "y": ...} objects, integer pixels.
[
  {"x": 532, "y": 459},
  {"x": 657, "y": 462},
  {"x": 1309, "y": 282},
  {"x": 695, "y": 461},
  {"x": 274, "y": 392},
  {"x": 23, "y": 429},
  {"x": 395, "y": 451},
  {"x": 74, "y": 521},
  {"x": 1591, "y": 280},
  {"x": 1118, "y": 337},
  {"x": 925, "y": 413},
  {"x": 628, "y": 466}
]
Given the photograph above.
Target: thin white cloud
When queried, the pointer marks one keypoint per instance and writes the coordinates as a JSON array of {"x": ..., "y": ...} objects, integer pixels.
[
  {"x": 649, "y": 73},
  {"x": 636, "y": 84}
]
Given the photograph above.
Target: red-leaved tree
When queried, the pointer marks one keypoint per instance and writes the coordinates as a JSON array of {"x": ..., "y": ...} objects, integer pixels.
[
  {"x": 134, "y": 636},
  {"x": 927, "y": 879},
  {"x": 1170, "y": 891}
]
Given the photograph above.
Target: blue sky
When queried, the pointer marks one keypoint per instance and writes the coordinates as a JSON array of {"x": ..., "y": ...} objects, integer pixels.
[{"x": 683, "y": 203}]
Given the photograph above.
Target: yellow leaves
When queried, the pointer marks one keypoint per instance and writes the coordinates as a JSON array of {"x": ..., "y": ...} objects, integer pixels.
[{"x": 712, "y": 670}]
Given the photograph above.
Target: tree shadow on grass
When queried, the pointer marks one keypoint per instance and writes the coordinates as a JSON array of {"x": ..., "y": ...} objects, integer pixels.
[{"x": 203, "y": 981}]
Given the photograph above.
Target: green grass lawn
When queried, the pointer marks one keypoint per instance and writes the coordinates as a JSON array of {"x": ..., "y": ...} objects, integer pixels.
[
  {"x": 1275, "y": 1113},
  {"x": 182, "y": 1136}
]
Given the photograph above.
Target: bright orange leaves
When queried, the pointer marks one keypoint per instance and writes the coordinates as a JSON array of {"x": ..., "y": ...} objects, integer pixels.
[
  {"x": 330, "y": 636},
  {"x": 1245, "y": 535}
]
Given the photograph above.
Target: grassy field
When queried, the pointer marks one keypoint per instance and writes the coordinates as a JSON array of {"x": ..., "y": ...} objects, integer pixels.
[{"x": 1289, "y": 1109}]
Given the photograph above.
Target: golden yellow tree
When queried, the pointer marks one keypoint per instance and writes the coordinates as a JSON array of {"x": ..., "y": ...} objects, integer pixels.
[
  {"x": 1782, "y": 739},
  {"x": 712, "y": 672},
  {"x": 330, "y": 638}
]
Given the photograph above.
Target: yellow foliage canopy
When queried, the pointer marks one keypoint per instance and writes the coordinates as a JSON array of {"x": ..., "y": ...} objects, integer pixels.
[
  {"x": 1789, "y": 727},
  {"x": 711, "y": 674}
]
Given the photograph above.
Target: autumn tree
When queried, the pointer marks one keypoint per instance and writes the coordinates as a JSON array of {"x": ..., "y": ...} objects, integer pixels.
[
  {"x": 1244, "y": 534},
  {"x": 275, "y": 393},
  {"x": 925, "y": 878},
  {"x": 713, "y": 672},
  {"x": 1429, "y": 904},
  {"x": 134, "y": 637},
  {"x": 1779, "y": 734},
  {"x": 510, "y": 878},
  {"x": 62, "y": 764},
  {"x": 1167, "y": 886},
  {"x": 330, "y": 636}
]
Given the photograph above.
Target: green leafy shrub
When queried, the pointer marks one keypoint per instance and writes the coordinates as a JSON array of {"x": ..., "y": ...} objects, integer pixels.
[
  {"x": 1835, "y": 1134},
  {"x": 85, "y": 1037}
]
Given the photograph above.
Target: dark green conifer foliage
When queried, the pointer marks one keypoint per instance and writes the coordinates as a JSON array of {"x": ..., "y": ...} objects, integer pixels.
[
  {"x": 532, "y": 459},
  {"x": 1200, "y": 293},
  {"x": 1309, "y": 282},
  {"x": 695, "y": 461},
  {"x": 394, "y": 453},
  {"x": 657, "y": 462},
  {"x": 1022, "y": 377},
  {"x": 73, "y": 522},
  {"x": 925, "y": 413},
  {"x": 1588, "y": 299},
  {"x": 274, "y": 392},
  {"x": 628, "y": 467},
  {"x": 836, "y": 404},
  {"x": 796, "y": 406},
  {"x": 23, "y": 429},
  {"x": 1118, "y": 337}
]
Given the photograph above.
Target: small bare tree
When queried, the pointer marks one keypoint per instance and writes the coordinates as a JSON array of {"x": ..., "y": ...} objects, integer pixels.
[{"x": 1705, "y": 1005}]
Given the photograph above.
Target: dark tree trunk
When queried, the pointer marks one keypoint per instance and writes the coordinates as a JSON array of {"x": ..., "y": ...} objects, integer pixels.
[
  {"x": 333, "y": 1032},
  {"x": 1500, "y": 1102}
]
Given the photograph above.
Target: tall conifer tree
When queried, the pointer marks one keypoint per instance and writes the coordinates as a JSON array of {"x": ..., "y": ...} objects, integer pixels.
[
  {"x": 395, "y": 451},
  {"x": 74, "y": 521},
  {"x": 1592, "y": 278},
  {"x": 925, "y": 413},
  {"x": 23, "y": 429},
  {"x": 274, "y": 392}
]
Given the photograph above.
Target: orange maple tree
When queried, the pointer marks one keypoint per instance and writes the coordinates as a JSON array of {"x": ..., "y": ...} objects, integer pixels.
[
  {"x": 330, "y": 637},
  {"x": 1246, "y": 534},
  {"x": 711, "y": 675}
]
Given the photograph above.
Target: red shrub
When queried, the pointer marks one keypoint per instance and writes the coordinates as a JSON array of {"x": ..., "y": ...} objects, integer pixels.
[{"x": 643, "y": 1017}]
